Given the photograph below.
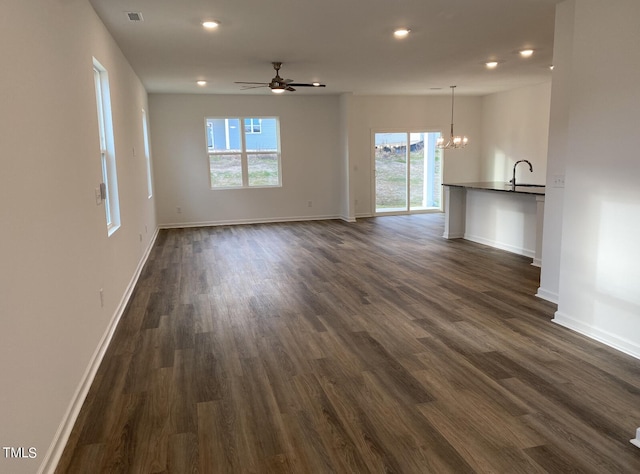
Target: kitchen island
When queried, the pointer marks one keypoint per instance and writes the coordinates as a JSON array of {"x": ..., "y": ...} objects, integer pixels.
[{"x": 496, "y": 214}]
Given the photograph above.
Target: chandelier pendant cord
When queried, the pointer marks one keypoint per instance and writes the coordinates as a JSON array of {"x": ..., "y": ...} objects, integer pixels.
[
  {"x": 454, "y": 141},
  {"x": 453, "y": 89}
]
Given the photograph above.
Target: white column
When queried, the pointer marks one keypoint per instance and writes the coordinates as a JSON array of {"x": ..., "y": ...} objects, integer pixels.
[
  {"x": 537, "y": 259},
  {"x": 455, "y": 212}
]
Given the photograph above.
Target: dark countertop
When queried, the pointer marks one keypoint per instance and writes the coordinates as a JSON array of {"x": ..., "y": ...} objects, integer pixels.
[{"x": 537, "y": 189}]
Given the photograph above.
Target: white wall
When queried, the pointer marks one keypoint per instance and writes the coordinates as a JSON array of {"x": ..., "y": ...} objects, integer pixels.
[
  {"x": 599, "y": 278},
  {"x": 347, "y": 205},
  {"x": 54, "y": 248},
  {"x": 312, "y": 159},
  {"x": 326, "y": 153},
  {"x": 557, "y": 151},
  {"x": 389, "y": 113},
  {"x": 503, "y": 220},
  {"x": 515, "y": 126}
]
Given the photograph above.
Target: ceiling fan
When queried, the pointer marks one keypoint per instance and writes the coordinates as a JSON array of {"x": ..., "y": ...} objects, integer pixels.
[{"x": 277, "y": 84}]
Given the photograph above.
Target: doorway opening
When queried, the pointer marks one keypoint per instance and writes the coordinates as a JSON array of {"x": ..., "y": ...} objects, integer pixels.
[{"x": 408, "y": 172}]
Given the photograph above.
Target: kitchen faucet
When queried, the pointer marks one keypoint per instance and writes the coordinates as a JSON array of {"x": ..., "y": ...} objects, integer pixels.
[{"x": 513, "y": 180}]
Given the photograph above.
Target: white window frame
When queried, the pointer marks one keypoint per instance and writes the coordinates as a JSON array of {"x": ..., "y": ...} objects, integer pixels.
[
  {"x": 406, "y": 209},
  {"x": 244, "y": 154},
  {"x": 255, "y": 125},
  {"x": 107, "y": 147}
]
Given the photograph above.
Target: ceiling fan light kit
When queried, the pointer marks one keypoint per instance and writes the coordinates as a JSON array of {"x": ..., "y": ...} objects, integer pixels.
[
  {"x": 277, "y": 84},
  {"x": 210, "y": 24},
  {"x": 455, "y": 141}
]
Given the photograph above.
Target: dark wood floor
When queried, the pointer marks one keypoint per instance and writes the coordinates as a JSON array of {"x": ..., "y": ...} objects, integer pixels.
[{"x": 329, "y": 347}]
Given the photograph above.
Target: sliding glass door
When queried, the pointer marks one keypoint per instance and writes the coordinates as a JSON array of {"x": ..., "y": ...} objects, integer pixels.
[{"x": 408, "y": 172}]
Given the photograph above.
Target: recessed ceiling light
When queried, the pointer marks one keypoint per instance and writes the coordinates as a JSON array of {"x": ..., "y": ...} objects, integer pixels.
[
  {"x": 551, "y": 67},
  {"x": 210, "y": 24},
  {"x": 491, "y": 64},
  {"x": 401, "y": 32},
  {"x": 526, "y": 53},
  {"x": 201, "y": 83},
  {"x": 315, "y": 84}
]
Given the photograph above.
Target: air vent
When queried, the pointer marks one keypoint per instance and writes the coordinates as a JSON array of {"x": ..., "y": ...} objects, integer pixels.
[{"x": 135, "y": 16}]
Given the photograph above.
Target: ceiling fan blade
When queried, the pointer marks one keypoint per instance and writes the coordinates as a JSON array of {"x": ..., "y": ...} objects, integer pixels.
[
  {"x": 289, "y": 88},
  {"x": 300, "y": 84},
  {"x": 252, "y": 87},
  {"x": 263, "y": 83}
]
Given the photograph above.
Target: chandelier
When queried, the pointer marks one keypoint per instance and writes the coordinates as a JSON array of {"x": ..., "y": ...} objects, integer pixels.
[{"x": 455, "y": 141}]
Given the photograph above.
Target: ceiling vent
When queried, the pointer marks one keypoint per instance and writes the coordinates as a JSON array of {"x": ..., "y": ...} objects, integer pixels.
[{"x": 134, "y": 16}]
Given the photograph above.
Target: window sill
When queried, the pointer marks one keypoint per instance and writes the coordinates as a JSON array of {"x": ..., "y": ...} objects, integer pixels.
[
  {"x": 111, "y": 229},
  {"x": 246, "y": 187}
]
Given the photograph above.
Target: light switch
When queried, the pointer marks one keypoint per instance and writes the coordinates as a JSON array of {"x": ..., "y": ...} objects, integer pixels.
[{"x": 98, "y": 196}]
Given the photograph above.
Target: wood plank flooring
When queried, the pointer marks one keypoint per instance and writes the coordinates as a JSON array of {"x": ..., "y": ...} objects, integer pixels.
[{"x": 330, "y": 347}]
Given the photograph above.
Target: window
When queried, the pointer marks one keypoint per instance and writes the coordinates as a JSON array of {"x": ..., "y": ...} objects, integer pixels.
[
  {"x": 109, "y": 185},
  {"x": 252, "y": 125},
  {"x": 147, "y": 153},
  {"x": 243, "y": 152}
]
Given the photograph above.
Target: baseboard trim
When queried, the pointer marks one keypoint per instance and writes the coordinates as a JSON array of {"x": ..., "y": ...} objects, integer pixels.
[
  {"x": 500, "y": 245},
  {"x": 547, "y": 295},
  {"x": 453, "y": 235},
  {"x": 269, "y": 220},
  {"x": 53, "y": 455},
  {"x": 592, "y": 332}
]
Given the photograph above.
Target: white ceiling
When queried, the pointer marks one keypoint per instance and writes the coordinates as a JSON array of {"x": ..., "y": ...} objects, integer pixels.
[{"x": 346, "y": 44}]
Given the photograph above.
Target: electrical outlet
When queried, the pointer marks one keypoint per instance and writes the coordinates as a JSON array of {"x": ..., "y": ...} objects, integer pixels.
[
  {"x": 309, "y": 203},
  {"x": 557, "y": 181},
  {"x": 179, "y": 210}
]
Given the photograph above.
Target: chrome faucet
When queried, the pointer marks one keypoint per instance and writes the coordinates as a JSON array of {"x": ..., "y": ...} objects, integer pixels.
[{"x": 513, "y": 180}]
